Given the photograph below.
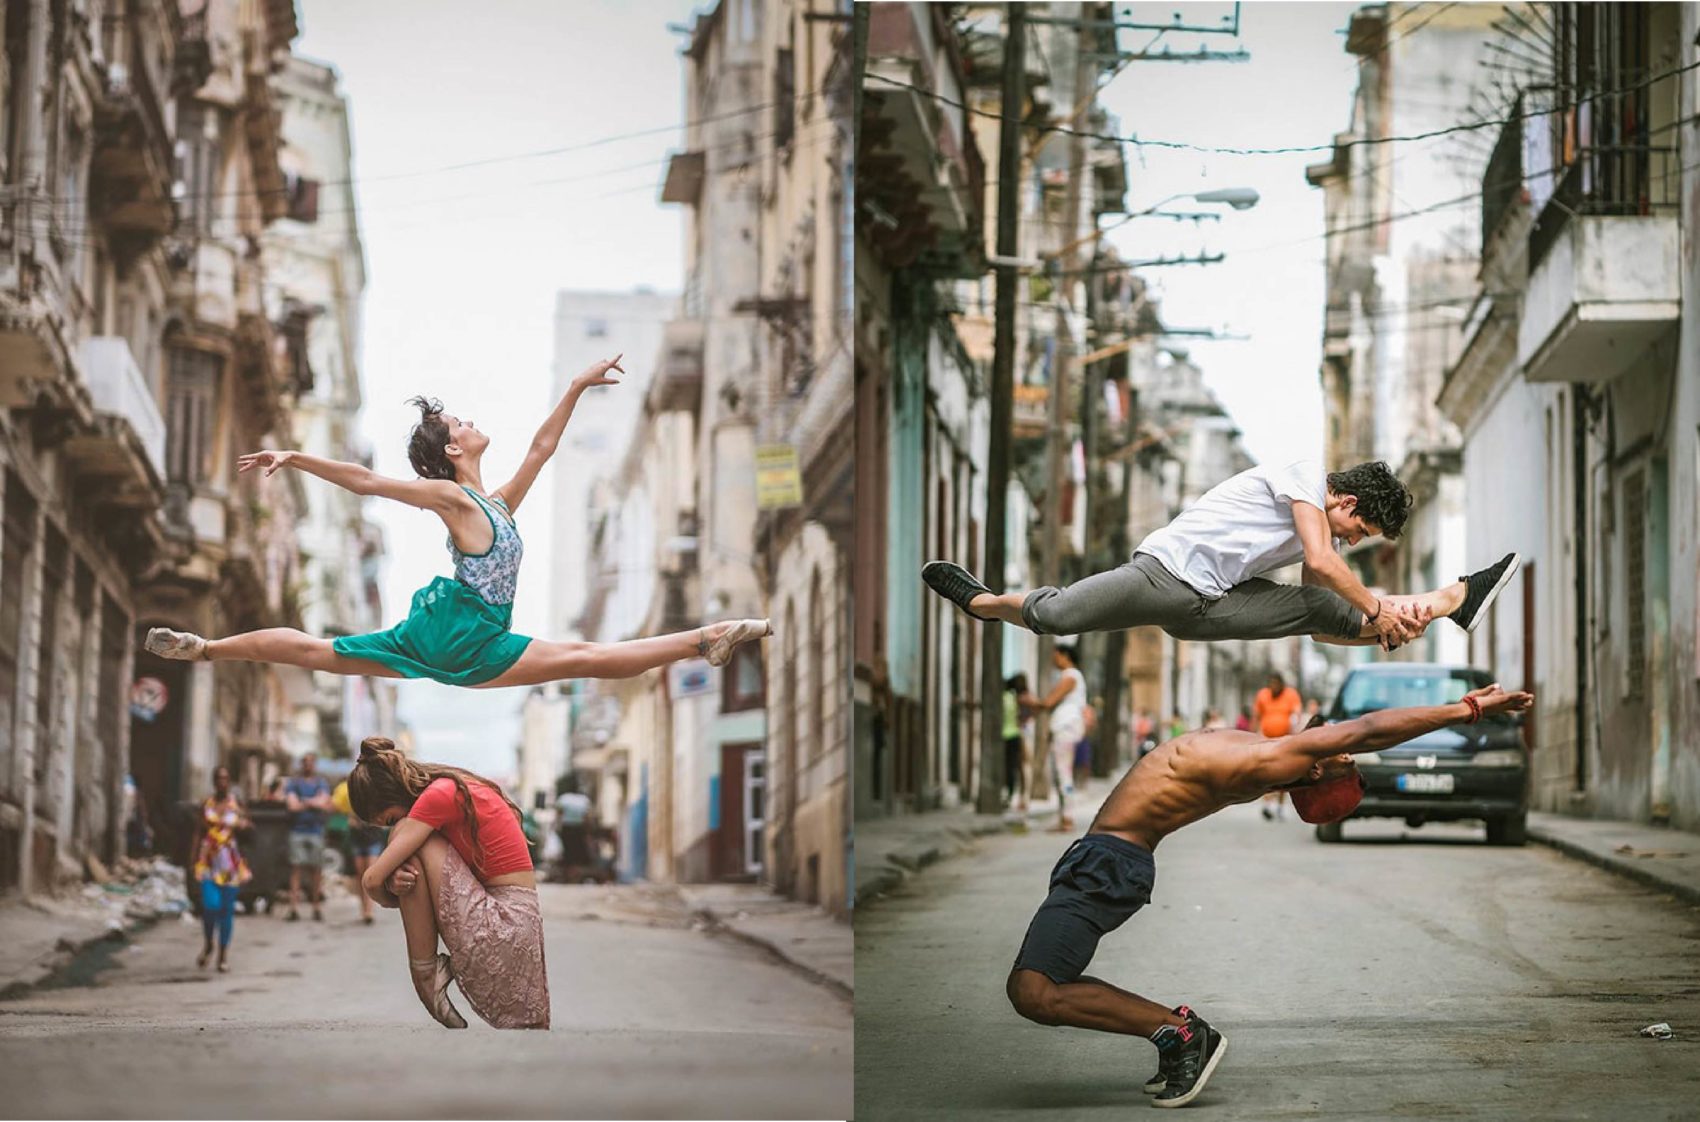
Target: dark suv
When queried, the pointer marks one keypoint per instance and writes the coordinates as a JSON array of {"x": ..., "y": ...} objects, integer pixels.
[{"x": 1461, "y": 771}]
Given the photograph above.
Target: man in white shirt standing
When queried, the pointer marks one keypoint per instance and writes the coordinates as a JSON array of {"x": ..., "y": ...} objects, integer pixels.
[{"x": 1198, "y": 578}]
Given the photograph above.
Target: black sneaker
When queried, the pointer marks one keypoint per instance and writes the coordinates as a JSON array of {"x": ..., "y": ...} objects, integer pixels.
[
  {"x": 1166, "y": 1060},
  {"x": 954, "y": 583},
  {"x": 1480, "y": 588},
  {"x": 1197, "y": 1051}
]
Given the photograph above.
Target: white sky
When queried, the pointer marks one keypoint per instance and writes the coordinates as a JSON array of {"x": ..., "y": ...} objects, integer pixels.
[
  {"x": 464, "y": 264},
  {"x": 460, "y": 290},
  {"x": 1296, "y": 90}
]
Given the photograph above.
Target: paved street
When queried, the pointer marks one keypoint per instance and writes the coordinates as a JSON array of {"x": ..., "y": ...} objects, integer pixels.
[
  {"x": 653, "y": 1017},
  {"x": 1426, "y": 977}
]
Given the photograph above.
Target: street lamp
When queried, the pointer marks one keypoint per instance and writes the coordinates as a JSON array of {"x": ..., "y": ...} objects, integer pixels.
[{"x": 1240, "y": 198}]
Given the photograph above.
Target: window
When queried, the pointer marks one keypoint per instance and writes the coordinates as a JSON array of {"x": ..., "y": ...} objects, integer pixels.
[
  {"x": 303, "y": 197},
  {"x": 784, "y": 97},
  {"x": 17, "y": 543},
  {"x": 817, "y": 666},
  {"x": 743, "y": 685},
  {"x": 191, "y": 406},
  {"x": 196, "y": 188},
  {"x": 1635, "y": 581},
  {"x": 595, "y": 329}
]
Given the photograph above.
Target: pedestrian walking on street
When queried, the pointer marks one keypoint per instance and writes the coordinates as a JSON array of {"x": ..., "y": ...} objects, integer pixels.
[
  {"x": 1276, "y": 707},
  {"x": 459, "y": 631},
  {"x": 1107, "y": 875},
  {"x": 218, "y": 866},
  {"x": 1014, "y": 744},
  {"x": 1198, "y": 578},
  {"x": 1066, "y": 704},
  {"x": 458, "y": 867},
  {"x": 308, "y": 798},
  {"x": 365, "y": 842}
]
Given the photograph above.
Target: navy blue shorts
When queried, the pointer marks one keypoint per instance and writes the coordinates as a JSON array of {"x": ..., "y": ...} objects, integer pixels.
[{"x": 1097, "y": 884}]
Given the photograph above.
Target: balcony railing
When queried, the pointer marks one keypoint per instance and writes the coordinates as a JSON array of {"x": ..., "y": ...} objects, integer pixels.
[
  {"x": 1605, "y": 162},
  {"x": 1606, "y": 182},
  {"x": 118, "y": 390}
]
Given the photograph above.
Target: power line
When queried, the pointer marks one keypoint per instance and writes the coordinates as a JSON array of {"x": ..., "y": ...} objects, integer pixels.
[{"x": 1289, "y": 150}]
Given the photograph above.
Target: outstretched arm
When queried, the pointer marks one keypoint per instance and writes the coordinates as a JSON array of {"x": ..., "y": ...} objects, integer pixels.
[
  {"x": 1388, "y": 727},
  {"x": 436, "y": 495},
  {"x": 548, "y": 436}
]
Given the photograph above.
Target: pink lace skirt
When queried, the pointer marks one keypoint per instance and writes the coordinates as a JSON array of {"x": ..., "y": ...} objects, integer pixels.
[{"x": 495, "y": 941}]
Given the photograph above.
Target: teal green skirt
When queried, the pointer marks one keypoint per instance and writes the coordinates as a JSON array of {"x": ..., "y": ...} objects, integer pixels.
[{"x": 451, "y": 635}]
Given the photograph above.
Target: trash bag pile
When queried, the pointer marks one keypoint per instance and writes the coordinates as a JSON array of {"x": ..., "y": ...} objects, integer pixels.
[{"x": 138, "y": 889}]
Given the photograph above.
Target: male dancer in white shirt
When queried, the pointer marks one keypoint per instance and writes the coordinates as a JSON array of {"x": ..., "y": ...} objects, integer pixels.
[{"x": 1198, "y": 577}]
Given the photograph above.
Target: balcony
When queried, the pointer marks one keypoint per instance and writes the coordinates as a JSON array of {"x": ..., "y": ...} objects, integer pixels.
[
  {"x": 126, "y": 447},
  {"x": 1606, "y": 289},
  {"x": 920, "y": 181},
  {"x": 677, "y": 386},
  {"x": 32, "y": 352},
  {"x": 130, "y": 171}
]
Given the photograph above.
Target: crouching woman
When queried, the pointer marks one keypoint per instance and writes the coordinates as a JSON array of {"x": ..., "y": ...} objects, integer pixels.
[{"x": 458, "y": 868}]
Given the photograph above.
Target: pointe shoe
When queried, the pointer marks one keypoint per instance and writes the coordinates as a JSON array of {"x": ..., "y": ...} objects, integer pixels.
[
  {"x": 740, "y": 631},
  {"x": 431, "y": 978},
  {"x": 184, "y": 645}
]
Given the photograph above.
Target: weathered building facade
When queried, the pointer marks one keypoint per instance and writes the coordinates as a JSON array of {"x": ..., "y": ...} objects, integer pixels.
[
  {"x": 1578, "y": 394},
  {"x": 1401, "y": 272}
]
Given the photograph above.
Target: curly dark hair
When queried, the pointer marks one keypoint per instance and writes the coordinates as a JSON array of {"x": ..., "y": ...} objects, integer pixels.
[
  {"x": 1382, "y": 499},
  {"x": 429, "y": 437}
]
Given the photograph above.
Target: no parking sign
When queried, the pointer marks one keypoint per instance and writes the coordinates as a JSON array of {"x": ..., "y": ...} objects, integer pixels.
[{"x": 148, "y": 699}]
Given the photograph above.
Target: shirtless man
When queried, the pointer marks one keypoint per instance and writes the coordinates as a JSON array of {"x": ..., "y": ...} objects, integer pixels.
[
  {"x": 1200, "y": 577},
  {"x": 1107, "y": 875}
]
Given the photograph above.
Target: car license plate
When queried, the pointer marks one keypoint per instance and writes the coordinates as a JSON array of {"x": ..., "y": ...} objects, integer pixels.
[{"x": 1426, "y": 784}]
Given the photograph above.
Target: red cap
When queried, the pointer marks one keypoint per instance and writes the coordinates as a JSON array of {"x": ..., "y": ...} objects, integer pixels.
[{"x": 1330, "y": 801}]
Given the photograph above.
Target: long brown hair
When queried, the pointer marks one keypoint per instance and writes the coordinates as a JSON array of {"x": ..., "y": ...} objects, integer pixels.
[{"x": 384, "y": 778}]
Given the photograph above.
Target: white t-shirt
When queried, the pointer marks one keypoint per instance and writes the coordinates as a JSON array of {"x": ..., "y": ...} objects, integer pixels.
[
  {"x": 1070, "y": 712},
  {"x": 1240, "y": 528}
]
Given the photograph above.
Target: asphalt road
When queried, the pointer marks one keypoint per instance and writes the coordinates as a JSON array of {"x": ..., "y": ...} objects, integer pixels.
[
  {"x": 654, "y": 1017},
  {"x": 1403, "y": 974}
]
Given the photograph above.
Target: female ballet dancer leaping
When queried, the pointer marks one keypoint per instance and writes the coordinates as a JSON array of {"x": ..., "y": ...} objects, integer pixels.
[{"x": 458, "y": 631}]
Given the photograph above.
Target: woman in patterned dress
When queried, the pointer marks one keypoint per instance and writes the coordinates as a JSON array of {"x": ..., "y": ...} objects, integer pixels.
[
  {"x": 459, "y": 631},
  {"x": 219, "y": 867},
  {"x": 458, "y": 867}
]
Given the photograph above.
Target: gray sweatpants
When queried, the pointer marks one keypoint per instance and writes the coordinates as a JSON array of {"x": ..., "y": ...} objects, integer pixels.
[{"x": 1142, "y": 593}]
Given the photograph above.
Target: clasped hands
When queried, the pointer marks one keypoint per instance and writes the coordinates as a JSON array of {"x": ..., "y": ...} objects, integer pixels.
[
  {"x": 1400, "y": 621},
  {"x": 403, "y": 880}
]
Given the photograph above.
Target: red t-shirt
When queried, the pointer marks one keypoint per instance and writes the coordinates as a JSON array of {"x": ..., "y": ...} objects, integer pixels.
[{"x": 499, "y": 835}]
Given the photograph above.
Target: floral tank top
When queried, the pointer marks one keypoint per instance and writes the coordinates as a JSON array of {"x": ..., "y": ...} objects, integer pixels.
[
  {"x": 217, "y": 857},
  {"x": 493, "y": 574}
]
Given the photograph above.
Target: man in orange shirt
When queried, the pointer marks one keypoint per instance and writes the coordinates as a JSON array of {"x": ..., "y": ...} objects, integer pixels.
[{"x": 1273, "y": 713}]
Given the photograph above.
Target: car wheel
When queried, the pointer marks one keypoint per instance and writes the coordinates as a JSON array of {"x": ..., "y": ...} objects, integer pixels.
[
  {"x": 1512, "y": 829},
  {"x": 1330, "y": 832}
]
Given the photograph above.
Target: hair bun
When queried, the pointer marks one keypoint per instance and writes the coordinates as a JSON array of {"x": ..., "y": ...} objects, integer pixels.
[{"x": 372, "y": 745}]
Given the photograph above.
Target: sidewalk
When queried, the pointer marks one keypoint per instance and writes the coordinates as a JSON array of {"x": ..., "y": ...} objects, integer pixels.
[
  {"x": 890, "y": 850},
  {"x": 42, "y": 934},
  {"x": 803, "y": 935},
  {"x": 1668, "y": 860}
]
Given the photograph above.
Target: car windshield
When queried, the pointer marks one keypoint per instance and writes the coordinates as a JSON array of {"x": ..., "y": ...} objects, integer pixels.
[{"x": 1365, "y": 693}]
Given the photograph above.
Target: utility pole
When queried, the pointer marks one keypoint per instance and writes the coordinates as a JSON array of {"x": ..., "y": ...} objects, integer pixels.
[
  {"x": 990, "y": 795},
  {"x": 1056, "y": 446}
]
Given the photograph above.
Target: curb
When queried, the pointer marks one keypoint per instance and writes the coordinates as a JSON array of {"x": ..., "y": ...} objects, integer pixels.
[
  {"x": 1687, "y": 893},
  {"x": 715, "y": 924},
  {"x": 66, "y": 952},
  {"x": 901, "y": 864}
]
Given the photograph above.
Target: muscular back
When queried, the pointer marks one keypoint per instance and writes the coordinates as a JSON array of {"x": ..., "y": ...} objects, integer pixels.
[{"x": 1191, "y": 777}]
